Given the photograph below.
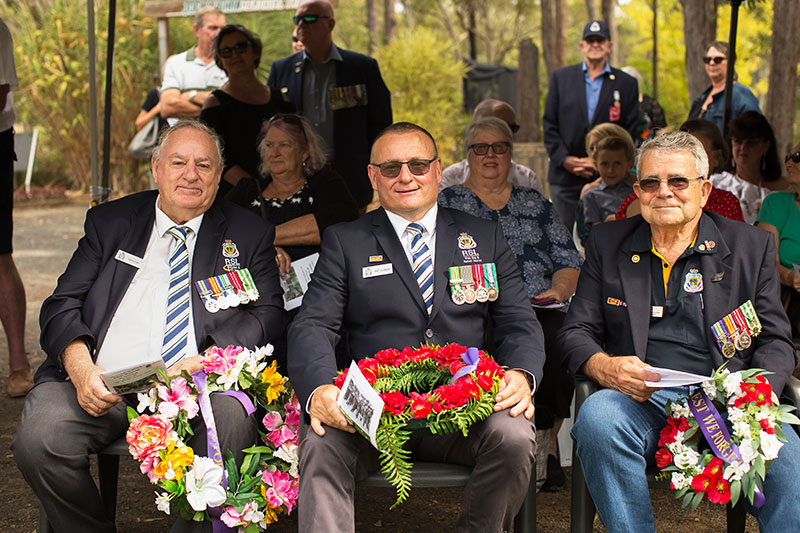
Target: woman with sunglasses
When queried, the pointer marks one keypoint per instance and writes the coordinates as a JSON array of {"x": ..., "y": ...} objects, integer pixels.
[
  {"x": 780, "y": 215},
  {"x": 710, "y": 105},
  {"x": 237, "y": 110},
  {"x": 545, "y": 254}
]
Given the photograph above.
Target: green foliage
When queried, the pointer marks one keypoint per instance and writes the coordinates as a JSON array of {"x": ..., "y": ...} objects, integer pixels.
[
  {"x": 424, "y": 76},
  {"x": 395, "y": 460}
]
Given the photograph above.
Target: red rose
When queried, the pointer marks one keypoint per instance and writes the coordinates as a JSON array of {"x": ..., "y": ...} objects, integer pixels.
[
  {"x": 663, "y": 458},
  {"x": 667, "y": 435}
]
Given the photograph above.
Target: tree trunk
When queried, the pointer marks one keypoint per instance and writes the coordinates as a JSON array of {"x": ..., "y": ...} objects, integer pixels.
[
  {"x": 473, "y": 49},
  {"x": 372, "y": 26},
  {"x": 783, "y": 72},
  {"x": 548, "y": 37},
  {"x": 655, "y": 51},
  {"x": 389, "y": 22},
  {"x": 591, "y": 9},
  {"x": 528, "y": 92},
  {"x": 561, "y": 33},
  {"x": 699, "y": 29},
  {"x": 608, "y": 7}
]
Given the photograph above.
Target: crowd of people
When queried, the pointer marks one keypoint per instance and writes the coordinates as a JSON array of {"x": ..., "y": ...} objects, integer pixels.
[{"x": 309, "y": 164}]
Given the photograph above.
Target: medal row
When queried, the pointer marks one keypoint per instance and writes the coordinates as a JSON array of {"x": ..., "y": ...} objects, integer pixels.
[
  {"x": 473, "y": 283},
  {"x": 736, "y": 329},
  {"x": 227, "y": 290}
]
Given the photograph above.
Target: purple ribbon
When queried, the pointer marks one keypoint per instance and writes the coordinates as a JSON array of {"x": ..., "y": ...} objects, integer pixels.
[
  {"x": 716, "y": 433},
  {"x": 470, "y": 358},
  {"x": 243, "y": 398}
]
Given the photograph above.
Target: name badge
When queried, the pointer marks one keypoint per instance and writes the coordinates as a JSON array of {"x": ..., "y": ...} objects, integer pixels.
[
  {"x": 377, "y": 270},
  {"x": 656, "y": 311},
  {"x": 129, "y": 259}
]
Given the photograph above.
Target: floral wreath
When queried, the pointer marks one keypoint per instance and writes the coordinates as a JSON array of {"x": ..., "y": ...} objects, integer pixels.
[
  {"x": 430, "y": 388},
  {"x": 248, "y": 496},
  {"x": 702, "y": 459}
]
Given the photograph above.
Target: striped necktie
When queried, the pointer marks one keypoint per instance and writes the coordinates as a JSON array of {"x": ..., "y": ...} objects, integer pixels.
[
  {"x": 177, "y": 324},
  {"x": 422, "y": 264}
]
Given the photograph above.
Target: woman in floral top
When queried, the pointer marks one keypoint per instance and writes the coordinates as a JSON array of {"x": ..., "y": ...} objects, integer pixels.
[{"x": 546, "y": 257}]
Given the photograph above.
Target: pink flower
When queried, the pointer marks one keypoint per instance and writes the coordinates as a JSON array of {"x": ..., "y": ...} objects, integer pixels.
[
  {"x": 219, "y": 361},
  {"x": 281, "y": 489},
  {"x": 231, "y": 517},
  {"x": 279, "y": 432},
  {"x": 148, "y": 434},
  {"x": 293, "y": 412},
  {"x": 147, "y": 467},
  {"x": 178, "y": 396}
]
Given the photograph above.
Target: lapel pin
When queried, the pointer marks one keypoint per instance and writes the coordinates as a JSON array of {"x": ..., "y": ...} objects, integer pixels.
[
  {"x": 718, "y": 277},
  {"x": 635, "y": 258}
]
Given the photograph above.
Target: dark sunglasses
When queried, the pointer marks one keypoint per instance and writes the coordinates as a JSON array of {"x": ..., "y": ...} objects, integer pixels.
[
  {"x": 308, "y": 19},
  {"x": 295, "y": 39},
  {"x": 498, "y": 148},
  {"x": 418, "y": 167},
  {"x": 795, "y": 157},
  {"x": 675, "y": 183},
  {"x": 717, "y": 60},
  {"x": 239, "y": 48}
]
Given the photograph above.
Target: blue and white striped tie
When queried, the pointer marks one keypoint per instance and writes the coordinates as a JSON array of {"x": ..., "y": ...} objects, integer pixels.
[
  {"x": 177, "y": 324},
  {"x": 422, "y": 264}
]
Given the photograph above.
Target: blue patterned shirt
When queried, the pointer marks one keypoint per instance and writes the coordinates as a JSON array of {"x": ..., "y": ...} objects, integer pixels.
[{"x": 535, "y": 234}]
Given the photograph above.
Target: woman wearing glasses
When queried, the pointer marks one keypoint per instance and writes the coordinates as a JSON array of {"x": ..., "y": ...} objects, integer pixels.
[
  {"x": 237, "y": 110},
  {"x": 780, "y": 215},
  {"x": 710, "y": 105},
  {"x": 546, "y": 257}
]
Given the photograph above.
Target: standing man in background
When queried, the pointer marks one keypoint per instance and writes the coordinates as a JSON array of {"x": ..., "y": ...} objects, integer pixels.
[
  {"x": 339, "y": 91},
  {"x": 12, "y": 293},
  {"x": 609, "y": 95},
  {"x": 189, "y": 77}
]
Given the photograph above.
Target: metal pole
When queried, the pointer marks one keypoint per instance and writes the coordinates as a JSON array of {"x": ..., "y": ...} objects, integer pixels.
[
  {"x": 731, "y": 64},
  {"x": 655, "y": 51},
  {"x": 163, "y": 43},
  {"x": 112, "y": 15},
  {"x": 92, "y": 102}
]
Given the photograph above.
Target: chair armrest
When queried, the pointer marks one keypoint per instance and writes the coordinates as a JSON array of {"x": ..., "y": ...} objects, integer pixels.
[
  {"x": 792, "y": 390},
  {"x": 584, "y": 387}
]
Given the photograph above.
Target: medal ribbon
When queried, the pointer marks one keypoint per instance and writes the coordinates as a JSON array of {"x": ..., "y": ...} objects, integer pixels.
[
  {"x": 455, "y": 277},
  {"x": 215, "y": 288},
  {"x": 729, "y": 326},
  {"x": 237, "y": 283},
  {"x": 247, "y": 279},
  {"x": 751, "y": 317},
  {"x": 466, "y": 273},
  {"x": 719, "y": 334},
  {"x": 741, "y": 323},
  {"x": 477, "y": 274}
]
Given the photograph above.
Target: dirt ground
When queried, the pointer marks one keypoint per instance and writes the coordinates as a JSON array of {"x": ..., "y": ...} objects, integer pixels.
[{"x": 45, "y": 237}]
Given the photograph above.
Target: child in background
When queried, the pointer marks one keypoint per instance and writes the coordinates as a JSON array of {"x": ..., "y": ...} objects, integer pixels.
[{"x": 613, "y": 158}]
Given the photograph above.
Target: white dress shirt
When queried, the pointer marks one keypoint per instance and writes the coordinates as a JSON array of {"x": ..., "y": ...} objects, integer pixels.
[
  {"x": 136, "y": 332},
  {"x": 428, "y": 223}
]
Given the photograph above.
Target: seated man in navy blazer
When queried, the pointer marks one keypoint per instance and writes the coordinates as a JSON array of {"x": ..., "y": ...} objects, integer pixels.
[
  {"x": 341, "y": 92},
  {"x": 649, "y": 292},
  {"x": 110, "y": 310},
  {"x": 396, "y": 308}
]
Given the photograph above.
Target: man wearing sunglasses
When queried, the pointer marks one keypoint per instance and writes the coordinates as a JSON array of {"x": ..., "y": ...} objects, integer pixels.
[
  {"x": 341, "y": 92},
  {"x": 649, "y": 292},
  {"x": 364, "y": 282},
  {"x": 579, "y": 98},
  {"x": 189, "y": 77}
]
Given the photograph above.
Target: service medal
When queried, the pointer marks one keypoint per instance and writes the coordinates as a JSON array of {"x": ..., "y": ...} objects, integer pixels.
[
  {"x": 458, "y": 296},
  {"x": 728, "y": 349},
  {"x": 470, "y": 296},
  {"x": 743, "y": 341},
  {"x": 243, "y": 298},
  {"x": 494, "y": 294},
  {"x": 482, "y": 294},
  {"x": 211, "y": 305}
]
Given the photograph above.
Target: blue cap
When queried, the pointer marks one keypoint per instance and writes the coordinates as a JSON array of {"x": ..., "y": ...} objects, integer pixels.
[{"x": 596, "y": 28}]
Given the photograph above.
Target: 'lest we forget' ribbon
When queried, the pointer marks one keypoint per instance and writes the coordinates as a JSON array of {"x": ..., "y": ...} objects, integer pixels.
[
  {"x": 470, "y": 358},
  {"x": 716, "y": 433}
]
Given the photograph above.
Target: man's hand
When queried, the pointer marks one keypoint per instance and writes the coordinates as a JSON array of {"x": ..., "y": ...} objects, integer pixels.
[
  {"x": 796, "y": 281},
  {"x": 190, "y": 364},
  {"x": 626, "y": 374},
  {"x": 323, "y": 410},
  {"x": 283, "y": 260},
  {"x": 580, "y": 166},
  {"x": 93, "y": 396},
  {"x": 515, "y": 393}
]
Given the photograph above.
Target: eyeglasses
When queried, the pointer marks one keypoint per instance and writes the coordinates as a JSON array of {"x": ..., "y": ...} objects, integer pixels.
[
  {"x": 795, "y": 157},
  {"x": 675, "y": 183},
  {"x": 295, "y": 39},
  {"x": 717, "y": 60},
  {"x": 498, "y": 148},
  {"x": 239, "y": 48},
  {"x": 308, "y": 19},
  {"x": 418, "y": 167}
]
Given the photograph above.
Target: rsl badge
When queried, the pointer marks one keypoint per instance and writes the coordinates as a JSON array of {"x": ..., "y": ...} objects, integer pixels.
[
  {"x": 229, "y": 249},
  {"x": 466, "y": 242},
  {"x": 693, "y": 281}
]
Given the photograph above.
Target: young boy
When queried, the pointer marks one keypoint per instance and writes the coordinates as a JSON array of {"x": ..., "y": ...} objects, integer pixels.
[{"x": 613, "y": 159}]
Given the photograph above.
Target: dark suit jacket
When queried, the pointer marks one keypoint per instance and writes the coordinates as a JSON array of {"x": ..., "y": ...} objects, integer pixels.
[
  {"x": 91, "y": 288},
  {"x": 354, "y": 128},
  {"x": 744, "y": 256},
  {"x": 566, "y": 119},
  {"x": 388, "y": 311}
]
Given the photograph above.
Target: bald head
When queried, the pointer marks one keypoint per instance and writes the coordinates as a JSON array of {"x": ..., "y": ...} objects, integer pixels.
[
  {"x": 498, "y": 109},
  {"x": 315, "y": 31},
  {"x": 317, "y": 7}
]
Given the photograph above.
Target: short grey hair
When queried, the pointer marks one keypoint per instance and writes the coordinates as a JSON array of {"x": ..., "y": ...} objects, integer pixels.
[
  {"x": 486, "y": 124},
  {"x": 200, "y": 16},
  {"x": 677, "y": 141},
  {"x": 188, "y": 123}
]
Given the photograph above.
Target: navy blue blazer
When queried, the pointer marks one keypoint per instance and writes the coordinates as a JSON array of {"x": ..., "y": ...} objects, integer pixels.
[
  {"x": 566, "y": 119},
  {"x": 90, "y": 290},
  {"x": 387, "y": 311},
  {"x": 354, "y": 128},
  {"x": 610, "y": 311}
]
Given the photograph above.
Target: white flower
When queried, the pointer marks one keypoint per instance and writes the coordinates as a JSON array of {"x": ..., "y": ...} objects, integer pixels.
[
  {"x": 686, "y": 459},
  {"x": 731, "y": 384},
  {"x": 768, "y": 413},
  {"x": 735, "y": 414},
  {"x": 148, "y": 401},
  {"x": 162, "y": 501},
  {"x": 680, "y": 410},
  {"x": 262, "y": 352},
  {"x": 742, "y": 429},
  {"x": 710, "y": 388},
  {"x": 230, "y": 378},
  {"x": 250, "y": 513},
  {"x": 770, "y": 445},
  {"x": 747, "y": 451},
  {"x": 288, "y": 452},
  {"x": 735, "y": 471},
  {"x": 203, "y": 487},
  {"x": 680, "y": 480}
]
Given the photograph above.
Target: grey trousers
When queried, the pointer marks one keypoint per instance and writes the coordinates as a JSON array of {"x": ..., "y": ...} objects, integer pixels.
[
  {"x": 56, "y": 437},
  {"x": 501, "y": 449}
]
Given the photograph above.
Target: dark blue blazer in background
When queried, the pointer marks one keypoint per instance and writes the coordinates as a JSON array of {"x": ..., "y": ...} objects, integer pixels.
[
  {"x": 354, "y": 128},
  {"x": 566, "y": 118}
]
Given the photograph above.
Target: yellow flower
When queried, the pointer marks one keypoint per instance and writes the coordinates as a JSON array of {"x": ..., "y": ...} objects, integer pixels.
[
  {"x": 173, "y": 463},
  {"x": 275, "y": 381},
  {"x": 270, "y": 514}
]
